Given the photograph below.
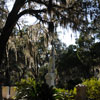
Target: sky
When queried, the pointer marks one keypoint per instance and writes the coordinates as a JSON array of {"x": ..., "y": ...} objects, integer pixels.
[{"x": 67, "y": 36}]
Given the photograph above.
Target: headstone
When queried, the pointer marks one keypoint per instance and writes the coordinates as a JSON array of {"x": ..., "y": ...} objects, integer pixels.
[
  {"x": 5, "y": 92},
  {"x": 13, "y": 91},
  {"x": 81, "y": 92},
  {"x": 8, "y": 92}
]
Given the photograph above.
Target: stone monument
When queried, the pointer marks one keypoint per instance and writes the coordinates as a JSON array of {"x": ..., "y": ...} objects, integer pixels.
[
  {"x": 81, "y": 92},
  {"x": 50, "y": 76}
]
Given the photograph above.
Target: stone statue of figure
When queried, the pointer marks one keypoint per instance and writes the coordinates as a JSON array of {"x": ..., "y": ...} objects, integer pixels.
[
  {"x": 52, "y": 61},
  {"x": 50, "y": 76}
]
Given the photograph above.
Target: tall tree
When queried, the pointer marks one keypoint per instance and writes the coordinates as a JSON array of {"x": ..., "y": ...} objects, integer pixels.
[
  {"x": 73, "y": 12},
  {"x": 26, "y": 53},
  {"x": 69, "y": 67}
]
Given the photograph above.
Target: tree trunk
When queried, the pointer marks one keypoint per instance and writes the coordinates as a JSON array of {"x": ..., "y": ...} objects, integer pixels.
[
  {"x": 7, "y": 30},
  {"x": 10, "y": 23}
]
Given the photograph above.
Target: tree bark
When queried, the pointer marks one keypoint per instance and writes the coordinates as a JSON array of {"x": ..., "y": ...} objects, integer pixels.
[
  {"x": 7, "y": 30},
  {"x": 10, "y": 23}
]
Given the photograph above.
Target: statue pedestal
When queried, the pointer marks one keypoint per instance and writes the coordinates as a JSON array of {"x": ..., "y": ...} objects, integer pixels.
[{"x": 50, "y": 77}]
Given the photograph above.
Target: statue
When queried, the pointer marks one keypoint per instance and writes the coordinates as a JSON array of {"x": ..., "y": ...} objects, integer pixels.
[{"x": 50, "y": 76}]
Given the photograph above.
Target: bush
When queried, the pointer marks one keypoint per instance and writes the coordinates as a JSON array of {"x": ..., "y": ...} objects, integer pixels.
[
  {"x": 62, "y": 94},
  {"x": 31, "y": 90},
  {"x": 93, "y": 88}
]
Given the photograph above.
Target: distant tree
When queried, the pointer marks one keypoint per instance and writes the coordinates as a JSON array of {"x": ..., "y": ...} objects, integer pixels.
[
  {"x": 69, "y": 67},
  {"x": 95, "y": 53},
  {"x": 84, "y": 43}
]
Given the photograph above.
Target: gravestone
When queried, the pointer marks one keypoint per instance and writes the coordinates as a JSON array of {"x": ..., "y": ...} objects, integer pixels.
[
  {"x": 81, "y": 92},
  {"x": 8, "y": 92}
]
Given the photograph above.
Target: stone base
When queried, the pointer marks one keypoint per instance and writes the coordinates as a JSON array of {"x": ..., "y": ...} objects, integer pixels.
[{"x": 50, "y": 78}]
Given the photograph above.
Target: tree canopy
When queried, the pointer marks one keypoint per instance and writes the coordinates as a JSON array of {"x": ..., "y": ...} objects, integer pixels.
[{"x": 74, "y": 13}]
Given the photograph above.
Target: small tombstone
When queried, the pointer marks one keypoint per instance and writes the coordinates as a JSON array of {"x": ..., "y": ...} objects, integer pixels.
[
  {"x": 13, "y": 91},
  {"x": 81, "y": 92},
  {"x": 5, "y": 92},
  {"x": 8, "y": 92}
]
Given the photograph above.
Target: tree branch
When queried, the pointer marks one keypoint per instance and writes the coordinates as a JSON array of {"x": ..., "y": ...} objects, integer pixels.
[
  {"x": 33, "y": 13},
  {"x": 41, "y": 2}
]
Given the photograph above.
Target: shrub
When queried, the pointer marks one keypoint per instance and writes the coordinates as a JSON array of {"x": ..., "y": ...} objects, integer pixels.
[
  {"x": 62, "y": 94},
  {"x": 93, "y": 88},
  {"x": 31, "y": 90}
]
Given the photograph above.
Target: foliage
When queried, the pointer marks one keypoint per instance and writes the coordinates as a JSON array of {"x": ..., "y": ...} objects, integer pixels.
[
  {"x": 87, "y": 51},
  {"x": 95, "y": 53},
  {"x": 93, "y": 88},
  {"x": 92, "y": 91},
  {"x": 3, "y": 13},
  {"x": 85, "y": 60},
  {"x": 84, "y": 43},
  {"x": 26, "y": 52},
  {"x": 62, "y": 94},
  {"x": 69, "y": 74},
  {"x": 31, "y": 90}
]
